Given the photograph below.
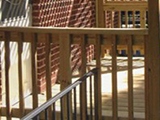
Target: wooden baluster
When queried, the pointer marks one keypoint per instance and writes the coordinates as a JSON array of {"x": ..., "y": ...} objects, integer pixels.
[
  {"x": 142, "y": 19},
  {"x": 7, "y": 82},
  {"x": 133, "y": 19},
  {"x": 126, "y": 18},
  {"x": 65, "y": 68},
  {"x": 99, "y": 40},
  {"x": 130, "y": 78},
  {"x": 34, "y": 70},
  {"x": 48, "y": 70},
  {"x": 114, "y": 78},
  {"x": 83, "y": 95},
  {"x": 119, "y": 20},
  {"x": 21, "y": 92},
  {"x": 112, "y": 20}
]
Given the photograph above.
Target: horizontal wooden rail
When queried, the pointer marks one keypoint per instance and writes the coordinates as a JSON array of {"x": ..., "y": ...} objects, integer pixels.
[
  {"x": 124, "y": 5},
  {"x": 55, "y": 30}
]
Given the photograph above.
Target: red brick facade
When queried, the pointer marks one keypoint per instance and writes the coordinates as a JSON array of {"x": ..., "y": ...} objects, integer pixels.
[
  {"x": 60, "y": 13},
  {"x": 108, "y": 20}
]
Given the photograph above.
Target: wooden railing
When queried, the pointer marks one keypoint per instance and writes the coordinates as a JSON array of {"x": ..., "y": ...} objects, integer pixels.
[
  {"x": 131, "y": 14},
  {"x": 114, "y": 38}
]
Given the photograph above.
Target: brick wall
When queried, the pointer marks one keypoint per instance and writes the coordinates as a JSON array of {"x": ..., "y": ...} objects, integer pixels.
[{"x": 62, "y": 13}]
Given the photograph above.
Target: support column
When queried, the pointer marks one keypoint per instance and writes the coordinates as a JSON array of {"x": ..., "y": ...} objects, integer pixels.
[{"x": 153, "y": 61}]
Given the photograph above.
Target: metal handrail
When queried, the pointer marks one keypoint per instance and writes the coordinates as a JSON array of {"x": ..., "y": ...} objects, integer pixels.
[{"x": 51, "y": 101}]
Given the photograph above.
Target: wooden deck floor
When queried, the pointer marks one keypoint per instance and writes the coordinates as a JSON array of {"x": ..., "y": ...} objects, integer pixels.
[{"x": 139, "y": 104}]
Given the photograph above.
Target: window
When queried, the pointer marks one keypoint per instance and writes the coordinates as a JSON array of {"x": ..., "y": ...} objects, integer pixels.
[{"x": 13, "y": 9}]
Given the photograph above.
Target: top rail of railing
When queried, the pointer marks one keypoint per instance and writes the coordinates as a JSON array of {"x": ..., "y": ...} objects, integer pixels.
[{"x": 60, "y": 30}]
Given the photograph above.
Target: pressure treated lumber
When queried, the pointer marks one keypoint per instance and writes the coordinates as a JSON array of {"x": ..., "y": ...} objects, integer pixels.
[{"x": 153, "y": 58}]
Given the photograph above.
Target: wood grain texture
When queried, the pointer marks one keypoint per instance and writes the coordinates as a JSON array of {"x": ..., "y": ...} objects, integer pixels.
[
  {"x": 21, "y": 91},
  {"x": 153, "y": 50},
  {"x": 114, "y": 79},
  {"x": 34, "y": 70},
  {"x": 83, "y": 95},
  {"x": 130, "y": 79},
  {"x": 65, "y": 68},
  {"x": 7, "y": 83}
]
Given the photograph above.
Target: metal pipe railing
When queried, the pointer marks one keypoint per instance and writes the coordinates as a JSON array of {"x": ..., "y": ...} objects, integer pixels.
[{"x": 35, "y": 113}]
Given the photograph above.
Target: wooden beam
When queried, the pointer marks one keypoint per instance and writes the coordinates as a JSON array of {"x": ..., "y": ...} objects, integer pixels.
[{"x": 153, "y": 58}]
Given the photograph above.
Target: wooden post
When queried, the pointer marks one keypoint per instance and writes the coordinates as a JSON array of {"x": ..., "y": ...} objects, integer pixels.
[
  {"x": 100, "y": 20},
  {"x": 65, "y": 68},
  {"x": 153, "y": 59}
]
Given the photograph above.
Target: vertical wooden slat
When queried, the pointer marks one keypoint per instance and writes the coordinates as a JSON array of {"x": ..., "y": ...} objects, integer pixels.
[
  {"x": 83, "y": 95},
  {"x": 98, "y": 65},
  {"x": 114, "y": 78},
  {"x": 34, "y": 70},
  {"x": 133, "y": 19},
  {"x": 65, "y": 67},
  {"x": 130, "y": 79},
  {"x": 7, "y": 83},
  {"x": 21, "y": 94},
  {"x": 119, "y": 19},
  {"x": 142, "y": 19},
  {"x": 126, "y": 18},
  {"x": 48, "y": 70},
  {"x": 48, "y": 66}
]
